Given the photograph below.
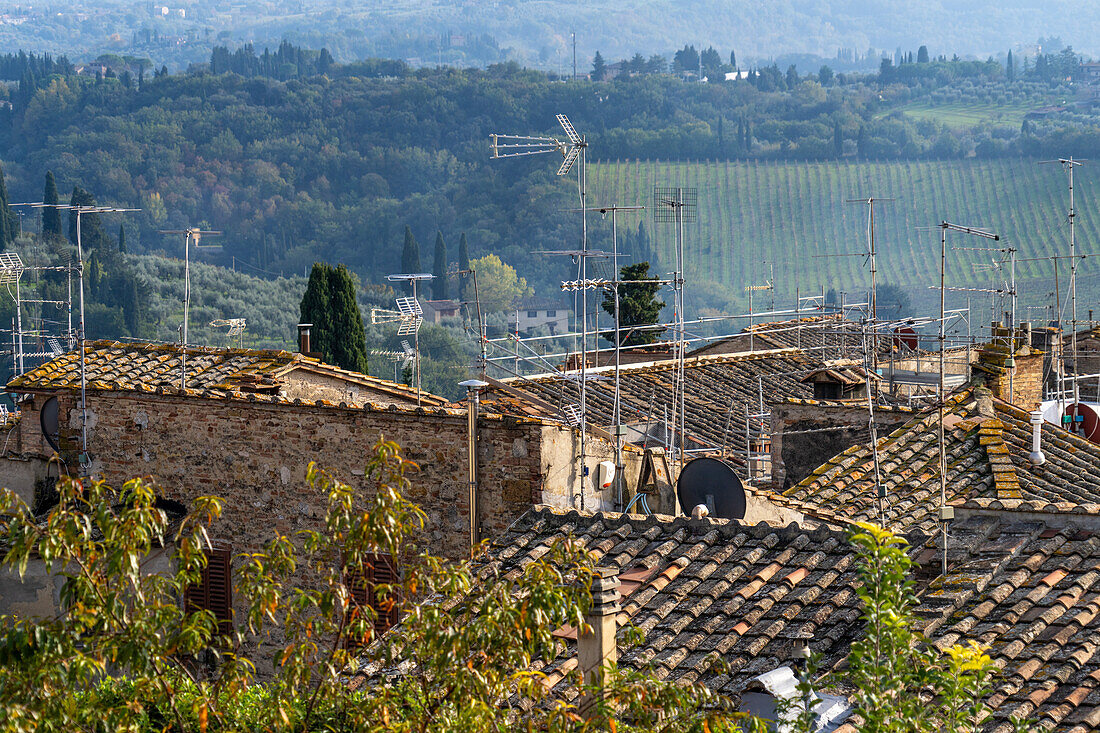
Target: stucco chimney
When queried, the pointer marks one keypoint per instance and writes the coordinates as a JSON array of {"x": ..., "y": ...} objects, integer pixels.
[
  {"x": 303, "y": 338},
  {"x": 598, "y": 650}
]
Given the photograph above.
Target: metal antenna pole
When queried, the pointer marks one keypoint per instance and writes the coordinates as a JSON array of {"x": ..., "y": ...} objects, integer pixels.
[
  {"x": 1069, "y": 164},
  {"x": 83, "y": 375},
  {"x": 584, "y": 318},
  {"x": 939, "y": 398},
  {"x": 681, "y": 339},
  {"x": 416, "y": 348},
  {"x": 947, "y": 513},
  {"x": 510, "y": 146}
]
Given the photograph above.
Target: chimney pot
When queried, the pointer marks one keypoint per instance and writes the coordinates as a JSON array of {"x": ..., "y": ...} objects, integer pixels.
[
  {"x": 597, "y": 649},
  {"x": 303, "y": 338}
]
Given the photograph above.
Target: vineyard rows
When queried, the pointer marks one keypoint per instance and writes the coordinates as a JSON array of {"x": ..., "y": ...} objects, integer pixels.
[{"x": 794, "y": 218}]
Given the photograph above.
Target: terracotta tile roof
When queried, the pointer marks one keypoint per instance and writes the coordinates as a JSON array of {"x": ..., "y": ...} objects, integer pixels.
[
  {"x": 718, "y": 389},
  {"x": 987, "y": 456},
  {"x": 705, "y": 589},
  {"x": 111, "y": 365}
]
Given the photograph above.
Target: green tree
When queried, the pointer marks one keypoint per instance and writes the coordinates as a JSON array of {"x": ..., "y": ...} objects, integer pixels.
[
  {"x": 1010, "y": 68},
  {"x": 92, "y": 233},
  {"x": 892, "y": 301},
  {"x": 316, "y": 308},
  {"x": 472, "y": 651},
  {"x": 346, "y": 336},
  {"x": 922, "y": 55},
  {"x": 901, "y": 683},
  {"x": 838, "y": 140},
  {"x": 7, "y": 231},
  {"x": 599, "y": 68},
  {"x": 439, "y": 269},
  {"x": 498, "y": 285},
  {"x": 122, "y": 239},
  {"x": 410, "y": 257},
  {"x": 638, "y": 306},
  {"x": 825, "y": 76},
  {"x": 51, "y": 217},
  {"x": 463, "y": 266},
  {"x": 330, "y": 304}
]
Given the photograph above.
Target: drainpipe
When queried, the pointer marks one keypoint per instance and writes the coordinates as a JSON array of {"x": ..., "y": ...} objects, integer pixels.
[
  {"x": 1036, "y": 456},
  {"x": 597, "y": 650},
  {"x": 473, "y": 391}
]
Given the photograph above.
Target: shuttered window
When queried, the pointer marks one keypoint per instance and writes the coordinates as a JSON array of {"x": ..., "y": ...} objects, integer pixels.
[
  {"x": 214, "y": 592},
  {"x": 375, "y": 570}
]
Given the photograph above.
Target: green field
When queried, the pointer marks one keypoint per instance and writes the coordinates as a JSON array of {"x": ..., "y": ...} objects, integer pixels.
[
  {"x": 791, "y": 214},
  {"x": 967, "y": 114}
]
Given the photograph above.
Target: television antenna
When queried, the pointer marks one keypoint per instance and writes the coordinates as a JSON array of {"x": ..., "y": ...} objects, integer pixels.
[
  {"x": 191, "y": 234},
  {"x": 575, "y": 146},
  {"x": 1068, "y": 164},
  {"x": 946, "y": 512},
  {"x": 11, "y": 271},
  {"x": 236, "y": 328},
  {"x": 677, "y": 205},
  {"x": 411, "y": 316},
  {"x": 79, "y": 211},
  {"x": 870, "y": 201}
]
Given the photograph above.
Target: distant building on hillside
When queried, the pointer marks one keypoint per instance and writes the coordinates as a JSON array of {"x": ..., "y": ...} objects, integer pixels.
[{"x": 538, "y": 312}]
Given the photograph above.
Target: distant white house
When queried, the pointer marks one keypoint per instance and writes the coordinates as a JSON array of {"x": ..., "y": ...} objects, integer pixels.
[{"x": 537, "y": 312}]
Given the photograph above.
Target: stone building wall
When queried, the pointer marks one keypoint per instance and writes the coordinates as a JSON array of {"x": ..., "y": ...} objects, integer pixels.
[
  {"x": 807, "y": 433},
  {"x": 253, "y": 453}
]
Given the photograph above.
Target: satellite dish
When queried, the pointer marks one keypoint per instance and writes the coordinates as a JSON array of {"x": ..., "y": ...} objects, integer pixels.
[
  {"x": 907, "y": 337},
  {"x": 51, "y": 428},
  {"x": 713, "y": 483},
  {"x": 1084, "y": 421}
]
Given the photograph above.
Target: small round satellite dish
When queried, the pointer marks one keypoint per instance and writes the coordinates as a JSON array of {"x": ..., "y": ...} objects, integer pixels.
[
  {"x": 1083, "y": 420},
  {"x": 906, "y": 336},
  {"x": 714, "y": 484},
  {"x": 51, "y": 428}
]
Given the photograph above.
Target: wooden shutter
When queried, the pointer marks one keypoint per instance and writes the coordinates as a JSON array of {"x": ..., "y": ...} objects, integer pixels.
[
  {"x": 214, "y": 591},
  {"x": 361, "y": 583}
]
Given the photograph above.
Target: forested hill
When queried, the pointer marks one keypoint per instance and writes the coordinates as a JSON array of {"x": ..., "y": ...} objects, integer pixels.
[{"x": 334, "y": 167}]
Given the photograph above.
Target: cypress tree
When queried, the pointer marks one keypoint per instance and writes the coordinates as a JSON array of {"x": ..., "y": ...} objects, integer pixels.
[
  {"x": 51, "y": 217},
  {"x": 838, "y": 140},
  {"x": 642, "y": 248},
  {"x": 316, "y": 308},
  {"x": 439, "y": 269},
  {"x": 7, "y": 234},
  {"x": 638, "y": 306},
  {"x": 463, "y": 253},
  {"x": 346, "y": 335},
  {"x": 463, "y": 265},
  {"x": 410, "y": 257},
  {"x": 122, "y": 239},
  {"x": 92, "y": 233}
]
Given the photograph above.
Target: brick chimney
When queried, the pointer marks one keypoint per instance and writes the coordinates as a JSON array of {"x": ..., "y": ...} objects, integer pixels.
[
  {"x": 598, "y": 649},
  {"x": 1012, "y": 368}
]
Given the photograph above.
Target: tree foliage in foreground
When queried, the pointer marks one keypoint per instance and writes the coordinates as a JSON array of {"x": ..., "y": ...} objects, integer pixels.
[{"x": 125, "y": 655}]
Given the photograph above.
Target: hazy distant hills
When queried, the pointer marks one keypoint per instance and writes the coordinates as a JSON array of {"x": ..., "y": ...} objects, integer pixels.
[
  {"x": 756, "y": 29},
  {"x": 537, "y": 32}
]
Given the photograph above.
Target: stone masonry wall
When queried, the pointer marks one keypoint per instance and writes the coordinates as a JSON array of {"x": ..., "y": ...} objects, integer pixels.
[
  {"x": 254, "y": 455},
  {"x": 795, "y": 453}
]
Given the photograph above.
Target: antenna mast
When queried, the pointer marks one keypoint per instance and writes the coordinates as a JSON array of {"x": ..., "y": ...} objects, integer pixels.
[
  {"x": 677, "y": 205},
  {"x": 1068, "y": 164},
  {"x": 511, "y": 146},
  {"x": 411, "y": 316},
  {"x": 190, "y": 234},
  {"x": 946, "y": 512}
]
